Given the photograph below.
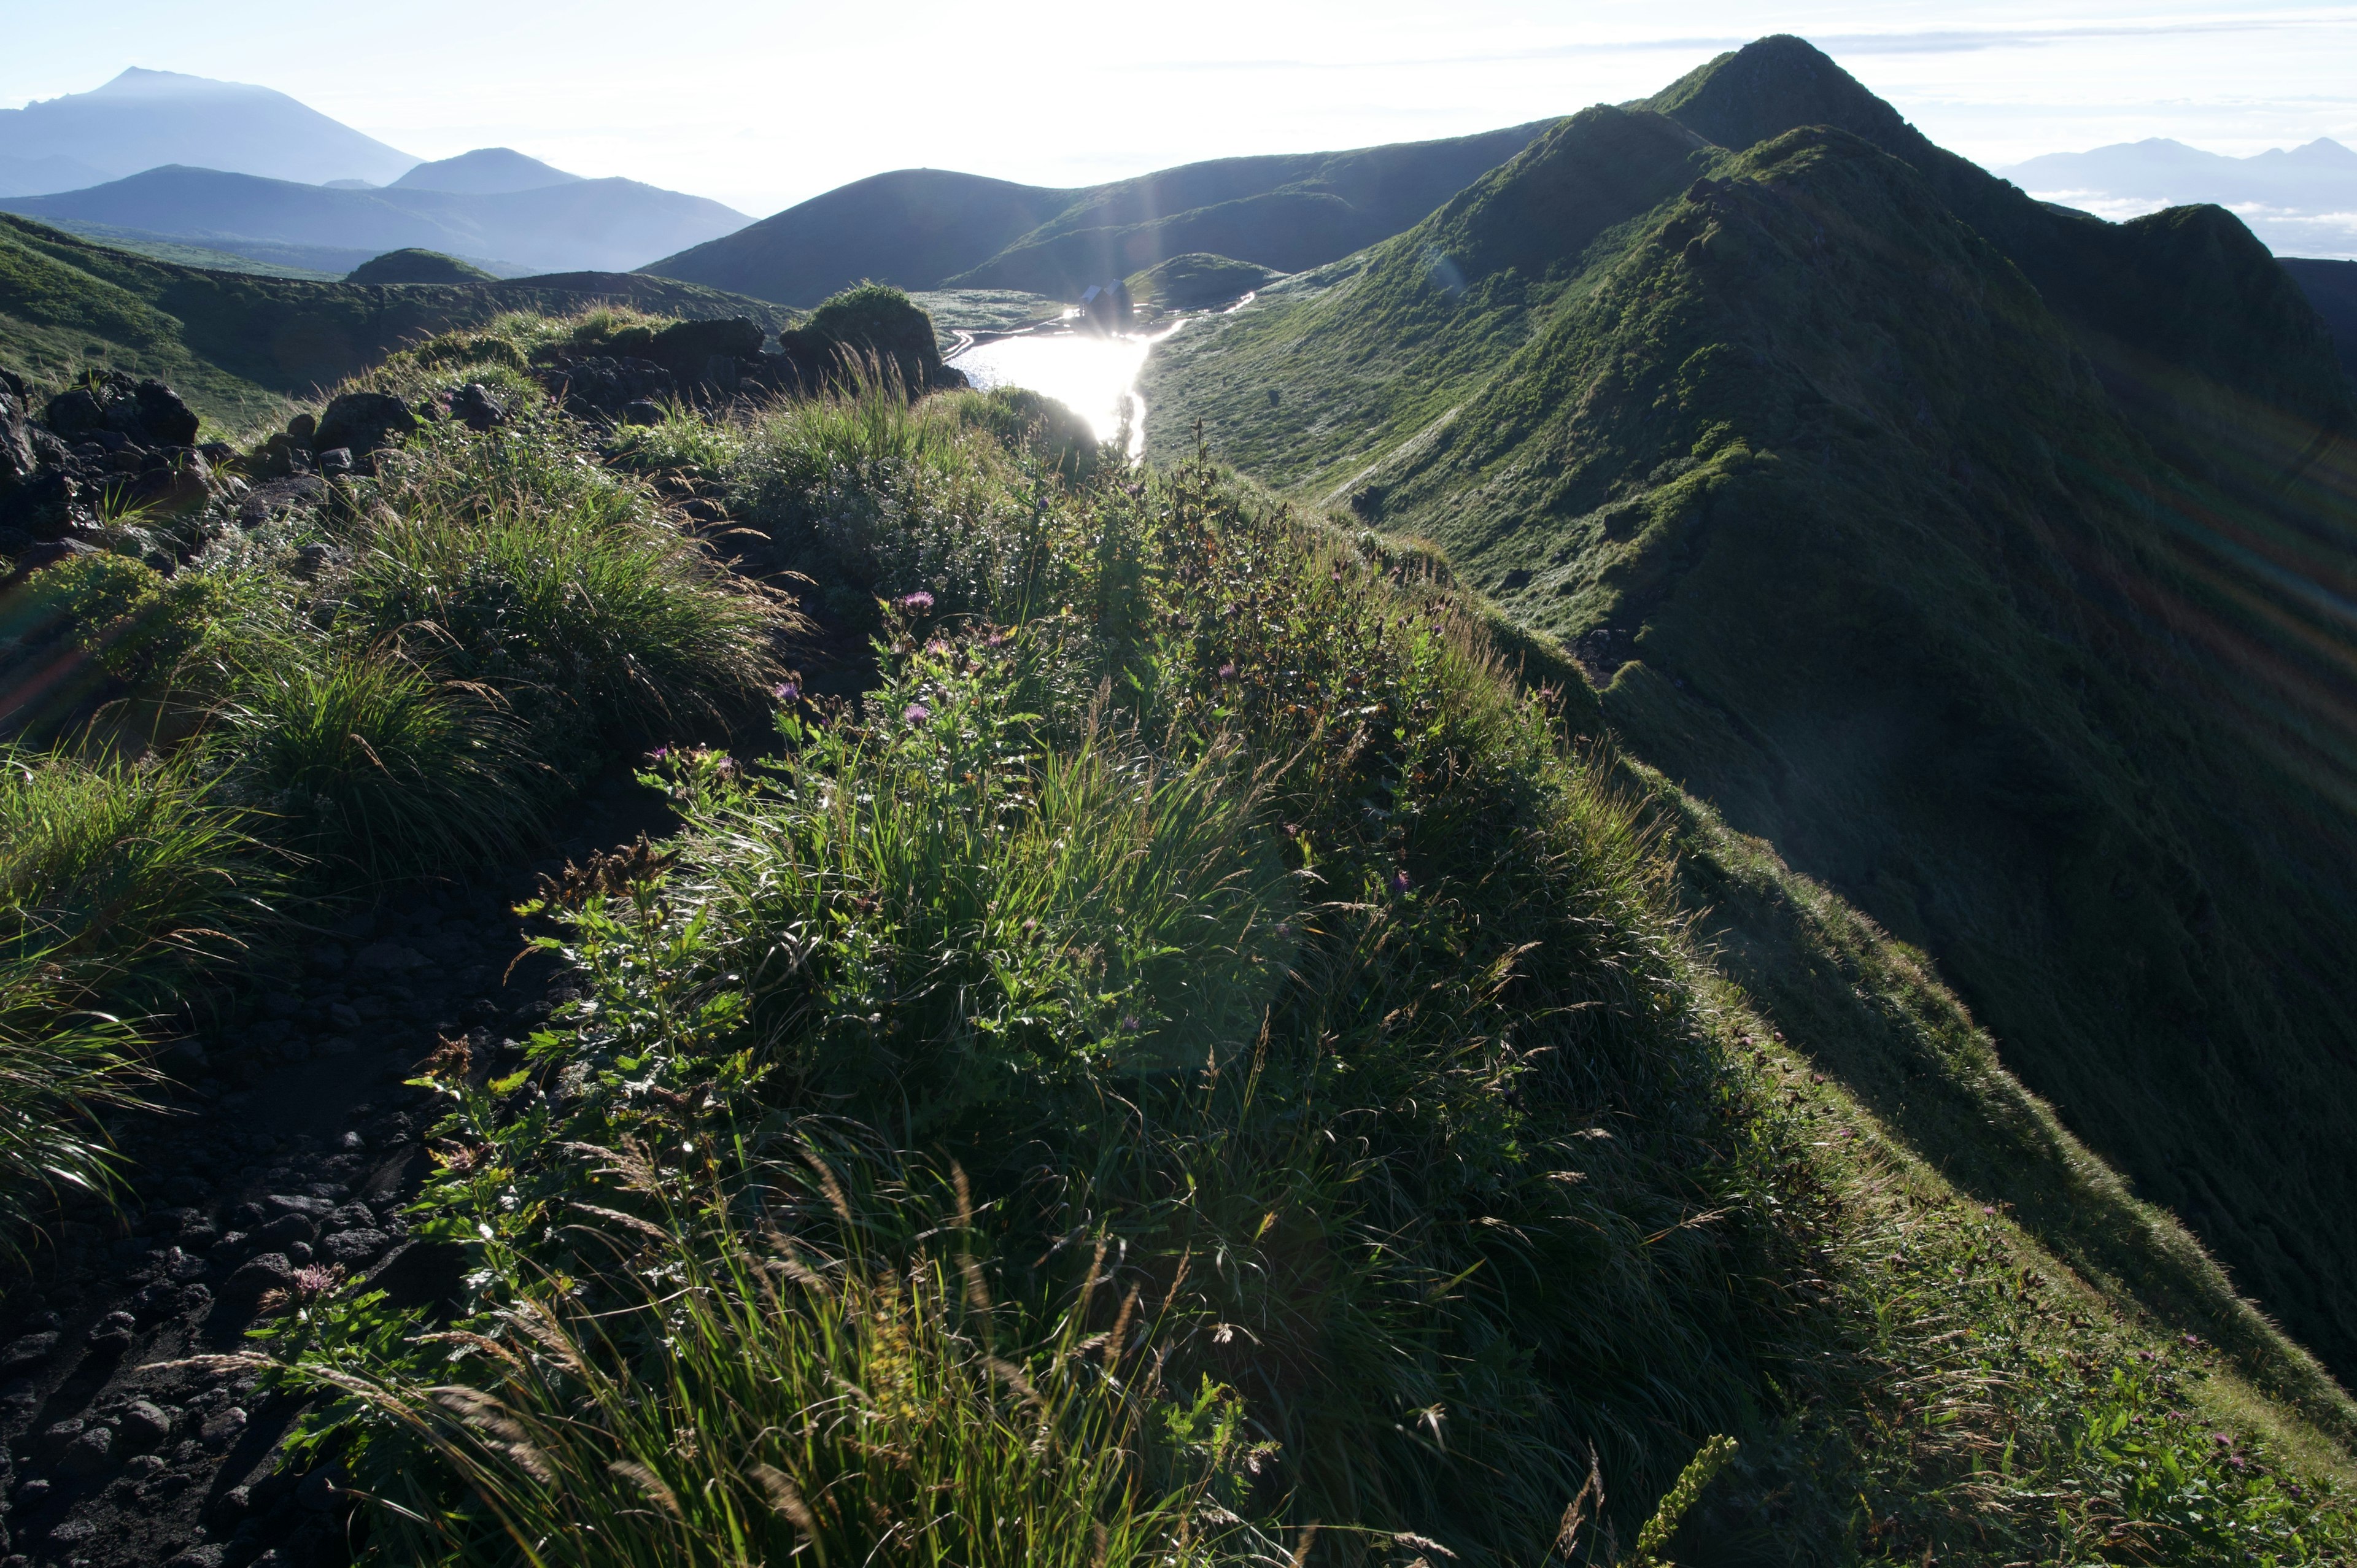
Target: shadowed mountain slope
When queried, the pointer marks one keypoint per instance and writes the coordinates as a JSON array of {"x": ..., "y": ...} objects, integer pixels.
[
  {"x": 1992, "y": 563},
  {"x": 236, "y": 346},
  {"x": 146, "y": 118},
  {"x": 924, "y": 228},
  {"x": 912, "y": 227},
  {"x": 604, "y": 224},
  {"x": 2331, "y": 288}
]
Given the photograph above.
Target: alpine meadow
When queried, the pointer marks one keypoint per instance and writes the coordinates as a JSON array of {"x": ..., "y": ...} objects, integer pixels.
[{"x": 1655, "y": 864}]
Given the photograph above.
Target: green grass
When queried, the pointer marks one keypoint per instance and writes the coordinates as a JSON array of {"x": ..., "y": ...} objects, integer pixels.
[
  {"x": 567, "y": 588},
  {"x": 405, "y": 685},
  {"x": 2067, "y": 715},
  {"x": 121, "y": 877},
  {"x": 63, "y": 1067},
  {"x": 1238, "y": 935},
  {"x": 366, "y": 763}
]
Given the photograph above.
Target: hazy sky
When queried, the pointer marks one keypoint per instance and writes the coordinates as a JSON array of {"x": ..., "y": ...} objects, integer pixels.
[{"x": 762, "y": 104}]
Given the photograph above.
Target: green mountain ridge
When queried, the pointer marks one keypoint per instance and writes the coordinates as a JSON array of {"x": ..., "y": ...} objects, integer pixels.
[
  {"x": 929, "y": 228},
  {"x": 1989, "y": 562},
  {"x": 238, "y": 346}
]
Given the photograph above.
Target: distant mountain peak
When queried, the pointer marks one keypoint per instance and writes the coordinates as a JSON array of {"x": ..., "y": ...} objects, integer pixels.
[
  {"x": 486, "y": 171},
  {"x": 142, "y": 118}
]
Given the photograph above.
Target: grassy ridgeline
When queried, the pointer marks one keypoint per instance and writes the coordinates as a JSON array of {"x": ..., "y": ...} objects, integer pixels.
[{"x": 1196, "y": 1065}]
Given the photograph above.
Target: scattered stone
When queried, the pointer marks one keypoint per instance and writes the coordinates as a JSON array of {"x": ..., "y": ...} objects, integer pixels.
[
  {"x": 208, "y": 1555},
  {"x": 263, "y": 1271},
  {"x": 317, "y": 1208},
  {"x": 91, "y": 1454},
  {"x": 286, "y": 1230},
  {"x": 223, "y": 1427},
  {"x": 144, "y": 1467},
  {"x": 27, "y": 1350},
  {"x": 354, "y": 1248},
  {"x": 388, "y": 958},
  {"x": 477, "y": 407},
  {"x": 144, "y": 1424},
  {"x": 364, "y": 422}
]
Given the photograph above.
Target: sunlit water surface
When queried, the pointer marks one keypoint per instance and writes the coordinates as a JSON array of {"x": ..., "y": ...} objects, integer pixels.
[{"x": 1093, "y": 375}]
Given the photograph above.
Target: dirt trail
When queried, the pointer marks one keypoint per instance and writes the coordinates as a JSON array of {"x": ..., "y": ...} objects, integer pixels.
[{"x": 294, "y": 1143}]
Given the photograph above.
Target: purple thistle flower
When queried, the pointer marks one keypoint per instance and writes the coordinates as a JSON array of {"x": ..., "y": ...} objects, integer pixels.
[
  {"x": 1399, "y": 881},
  {"x": 786, "y": 692},
  {"x": 915, "y": 713},
  {"x": 314, "y": 1279},
  {"x": 919, "y": 601},
  {"x": 1227, "y": 672},
  {"x": 658, "y": 754}
]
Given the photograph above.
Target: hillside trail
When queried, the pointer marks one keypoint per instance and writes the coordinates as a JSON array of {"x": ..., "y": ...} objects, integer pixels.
[{"x": 293, "y": 1139}]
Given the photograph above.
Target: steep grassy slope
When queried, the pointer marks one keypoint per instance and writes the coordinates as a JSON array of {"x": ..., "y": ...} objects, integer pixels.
[
  {"x": 238, "y": 346},
  {"x": 924, "y": 228},
  {"x": 1999, "y": 589},
  {"x": 2331, "y": 288}
]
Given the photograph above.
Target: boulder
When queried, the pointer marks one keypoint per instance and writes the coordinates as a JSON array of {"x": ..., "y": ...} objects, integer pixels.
[
  {"x": 144, "y": 1424},
  {"x": 45, "y": 506},
  {"x": 599, "y": 387},
  {"x": 168, "y": 420},
  {"x": 91, "y": 1454},
  {"x": 145, "y": 412},
  {"x": 364, "y": 422},
  {"x": 475, "y": 407}
]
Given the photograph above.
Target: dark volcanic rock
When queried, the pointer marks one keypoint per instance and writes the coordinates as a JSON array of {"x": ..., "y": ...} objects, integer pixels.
[
  {"x": 600, "y": 386},
  {"x": 18, "y": 458},
  {"x": 474, "y": 406},
  {"x": 148, "y": 412},
  {"x": 263, "y": 1271},
  {"x": 687, "y": 348},
  {"x": 365, "y": 422},
  {"x": 25, "y": 1351},
  {"x": 168, "y": 420}
]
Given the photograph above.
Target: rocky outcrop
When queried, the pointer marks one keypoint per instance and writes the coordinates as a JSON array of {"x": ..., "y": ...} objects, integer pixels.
[
  {"x": 364, "y": 424},
  {"x": 868, "y": 331},
  {"x": 112, "y": 446}
]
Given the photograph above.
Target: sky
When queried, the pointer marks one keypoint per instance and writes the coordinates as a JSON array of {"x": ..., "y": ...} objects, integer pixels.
[{"x": 760, "y": 103}]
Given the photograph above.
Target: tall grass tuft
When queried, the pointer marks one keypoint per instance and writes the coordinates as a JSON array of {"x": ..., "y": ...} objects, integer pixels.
[
  {"x": 128, "y": 874},
  {"x": 512, "y": 564},
  {"x": 804, "y": 1381},
  {"x": 61, "y": 1066},
  {"x": 365, "y": 762}
]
